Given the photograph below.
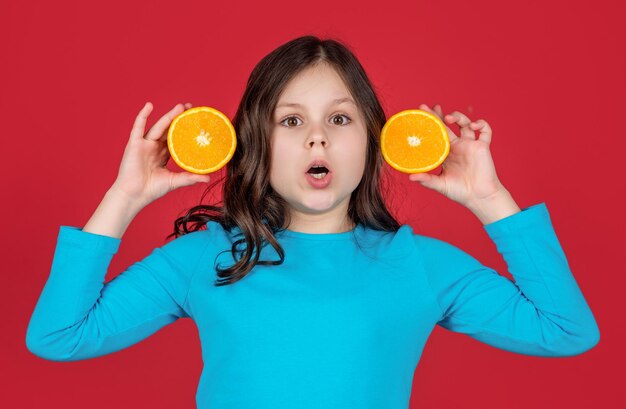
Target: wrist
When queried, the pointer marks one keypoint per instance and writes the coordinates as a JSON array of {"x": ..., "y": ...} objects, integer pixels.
[
  {"x": 113, "y": 215},
  {"x": 123, "y": 199},
  {"x": 494, "y": 207}
]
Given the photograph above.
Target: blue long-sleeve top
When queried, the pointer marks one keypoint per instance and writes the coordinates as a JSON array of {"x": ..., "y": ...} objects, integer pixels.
[{"x": 337, "y": 325}]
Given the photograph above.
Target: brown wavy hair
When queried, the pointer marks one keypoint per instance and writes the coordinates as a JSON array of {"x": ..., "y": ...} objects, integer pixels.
[{"x": 249, "y": 202}]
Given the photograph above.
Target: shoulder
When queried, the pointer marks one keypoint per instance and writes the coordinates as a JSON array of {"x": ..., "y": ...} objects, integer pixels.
[
  {"x": 194, "y": 240},
  {"x": 439, "y": 253},
  {"x": 399, "y": 245},
  {"x": 432, "y": 244},
  {"x": 184, "y": 252},
  {"x": 213, "y": 233},
  {"x": 405, "y": 237}
]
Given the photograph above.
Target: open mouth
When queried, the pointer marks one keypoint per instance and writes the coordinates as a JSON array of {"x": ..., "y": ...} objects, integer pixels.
[{"x": 318, "y": 172}]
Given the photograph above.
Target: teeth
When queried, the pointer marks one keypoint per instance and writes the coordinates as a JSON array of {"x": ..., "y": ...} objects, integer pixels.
[{"x": 319, "y": 175}]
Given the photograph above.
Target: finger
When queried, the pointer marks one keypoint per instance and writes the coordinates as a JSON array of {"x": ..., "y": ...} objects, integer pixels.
[
  {"x": 140, "y": 122},
  {"x": 437, "y": 109},
  {"x": 429, "y": 180},
  {"x": 427, "y": 109},
  {"x": 163, "y": 137},
  {"x": 451, "y": 134},
  {"x": 181, "y": 179},
  {"x": 463, "y": 122},
  {"x": 157, "y": 131},
  {"x": 484, "y": 128},
  {"x": 164, "y": 156}
]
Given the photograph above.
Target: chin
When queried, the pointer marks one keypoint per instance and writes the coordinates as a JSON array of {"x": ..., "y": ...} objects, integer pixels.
[{"x": 319, "y": 201}]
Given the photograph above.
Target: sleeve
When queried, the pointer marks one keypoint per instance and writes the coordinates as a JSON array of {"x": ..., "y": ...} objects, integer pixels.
[
  {"x": 78, "y": 316},
  {"x": 541, "y": 313}
]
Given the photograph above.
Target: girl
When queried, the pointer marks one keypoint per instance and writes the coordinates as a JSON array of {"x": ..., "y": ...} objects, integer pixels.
[{"x": 335, "y": 311}]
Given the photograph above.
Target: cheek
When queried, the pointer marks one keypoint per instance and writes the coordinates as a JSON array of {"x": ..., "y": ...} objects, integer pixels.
[
  {"x": 280, "y": 153},
  {"x": 282, "y": 164},
  {"x": 356, "y": 152}
]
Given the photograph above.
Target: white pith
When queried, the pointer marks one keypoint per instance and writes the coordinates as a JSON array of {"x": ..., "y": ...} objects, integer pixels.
[
  {"x": 414, "y": 141},
  {"x": 203, "y": 138}
]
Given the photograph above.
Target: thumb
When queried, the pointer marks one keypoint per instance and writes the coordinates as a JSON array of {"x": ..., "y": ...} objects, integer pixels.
[
  {"x": 428, "y": 180},
  {"x": 187, "y": 179}
]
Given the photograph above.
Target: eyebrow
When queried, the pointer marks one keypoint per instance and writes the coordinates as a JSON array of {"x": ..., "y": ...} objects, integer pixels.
[{"x": 333, "y": 102}]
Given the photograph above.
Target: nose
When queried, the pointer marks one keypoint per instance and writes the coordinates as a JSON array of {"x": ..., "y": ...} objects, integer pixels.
[{"x": 317, "y": 135}]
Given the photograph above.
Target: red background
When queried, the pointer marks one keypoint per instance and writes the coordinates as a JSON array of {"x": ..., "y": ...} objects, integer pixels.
[{"x": 548, "y": 77}]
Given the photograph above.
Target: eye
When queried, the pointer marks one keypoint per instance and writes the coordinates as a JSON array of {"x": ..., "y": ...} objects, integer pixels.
[
  {"x": 296, "y": 118},
  {"x": 288, "y": 118},
  {"x": 345, "y": 116}
]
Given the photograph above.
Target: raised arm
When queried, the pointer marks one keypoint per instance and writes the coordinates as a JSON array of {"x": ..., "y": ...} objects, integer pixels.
[
  {"x": 542, "y": 312},
  {"x": 77, "y": 315}
]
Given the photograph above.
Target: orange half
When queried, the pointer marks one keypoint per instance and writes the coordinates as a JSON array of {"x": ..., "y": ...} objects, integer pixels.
[
  {"x": 201, "y": 140},
  {"x": 414, "y": 141}
]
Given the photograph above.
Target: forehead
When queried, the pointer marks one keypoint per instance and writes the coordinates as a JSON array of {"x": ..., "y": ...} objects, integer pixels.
[
  {"x": 313, "y": 86},
  {"x": 335, "y": 101}
]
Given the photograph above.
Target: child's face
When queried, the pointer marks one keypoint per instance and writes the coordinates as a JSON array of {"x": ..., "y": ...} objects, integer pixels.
[{"x": 317, "y": 129}]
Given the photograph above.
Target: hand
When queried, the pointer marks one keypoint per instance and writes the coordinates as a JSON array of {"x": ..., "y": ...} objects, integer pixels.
[
  {"x": 143, "y": 177},
  {"x": 468, "y": 174}
]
